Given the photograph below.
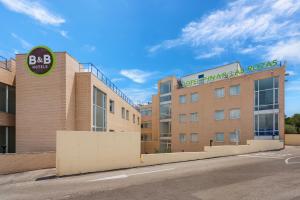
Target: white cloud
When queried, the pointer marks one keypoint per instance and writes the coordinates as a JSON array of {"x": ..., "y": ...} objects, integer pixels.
[
  {"x": 25, "y": 45},
  {"x": 136, "y": 75},
  {"x": 215, "y": 51},
  {"x": 242, "y": 22},
  {"x": 117, "y": 79},
  {"x": 139, "y": 96},
  {"x": 34, "y": 10},
  {"x": 285, "y": 50},
  {"x": 291, "y": 73},
  {"x": 64, "y": 34},
  {"x": 89, "y": 47},
  {"x": 293, "y": 86}
]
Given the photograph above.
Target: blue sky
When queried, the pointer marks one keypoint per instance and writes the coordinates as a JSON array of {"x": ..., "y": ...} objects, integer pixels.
[{"x": 135, "y": 43}]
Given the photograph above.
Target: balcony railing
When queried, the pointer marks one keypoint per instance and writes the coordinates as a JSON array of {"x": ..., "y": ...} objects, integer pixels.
[
  {"x": 89, "y": 67},
  {"x": 4, "y": 63}
]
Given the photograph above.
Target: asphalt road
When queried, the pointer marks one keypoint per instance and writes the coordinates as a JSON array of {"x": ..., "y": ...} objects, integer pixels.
[{"x": 268, "y": 175}]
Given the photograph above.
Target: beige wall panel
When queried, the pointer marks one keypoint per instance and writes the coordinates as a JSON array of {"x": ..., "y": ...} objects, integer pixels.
[
  {"x": 21, "y": 162},
  {"x": 292, "y": 139},
  {"x": 82, "y": 152}
]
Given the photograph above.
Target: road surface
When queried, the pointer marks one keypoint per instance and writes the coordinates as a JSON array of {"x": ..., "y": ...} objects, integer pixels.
[{"x": 267, "y": 175}]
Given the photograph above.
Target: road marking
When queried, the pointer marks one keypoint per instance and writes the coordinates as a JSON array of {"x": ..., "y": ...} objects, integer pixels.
[
  {"x": 150, "y": 172},
  {"x": 110, "y": 178},
  {"x": 257, "y": 156},
  {"x": 287, "y": 161},
  {"x": 121, "y": 176}
]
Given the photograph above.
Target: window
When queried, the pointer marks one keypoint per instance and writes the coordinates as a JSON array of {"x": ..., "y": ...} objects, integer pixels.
[
  {"x": 138, "y": 120},
  {"x": 182, "y": 99},
  {"x": 219, "y": 115},
  {"x": 266, "y": 94},
  {"x": 165, "y": 129},
  {"x": 165, "y": 87},
  {"x": 219, "y": 92},
  {"x": 123, "y": 112},
  {"x": 146, "y": 112},
  {"x": 2, "y": 97},
  {"x": 266, "y": 124},
  {"x": 194, "y": 97},
  {"x": 219, "y": 137},
  {"x": 99, "y": 110},
  {"x": 165, "y": 98},
  {"x": 233, "y": 137},
  {"x": 182, "y": 138},
  {"x": 146, "y": 125},
  {"x": 165, "y": 145},
  {"x": 165, "y": 111},
  {"x": 194, "y": 117},
  {"x": 145, "y": 137},
  {"x": 182, "y": 118},
  {"x": 133, "y": 118},
  {"x": 234, "y": 113},
  {"x": 234, "y": 90},
  {"x": 111, "y": 106},
  {"x": 127, "y": 115},
  {"x": 194, "y": 137}
]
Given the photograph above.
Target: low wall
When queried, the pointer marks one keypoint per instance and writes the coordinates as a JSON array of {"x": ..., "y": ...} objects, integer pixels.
[
  {"x": 21, "y": 162},
  {"x": 212, "y": 152},
  {"x": 82, "y": 152},
  {"x": 292, "y": 139}
]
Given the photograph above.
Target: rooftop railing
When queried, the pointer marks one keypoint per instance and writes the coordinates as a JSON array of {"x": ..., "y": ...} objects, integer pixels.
[
  {"x": 90, "y": 67},
  {"x": 4, "y": 63}
]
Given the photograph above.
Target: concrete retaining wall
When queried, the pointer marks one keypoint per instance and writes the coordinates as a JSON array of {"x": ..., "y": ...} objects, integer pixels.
[
  {"x": 82, "y": 152},
  {"x": 292, "y": 139},
  {"x": 20, "y": 162}
]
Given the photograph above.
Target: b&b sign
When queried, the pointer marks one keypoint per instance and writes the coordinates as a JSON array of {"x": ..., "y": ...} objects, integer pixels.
[{"x": 40, "y": 61}]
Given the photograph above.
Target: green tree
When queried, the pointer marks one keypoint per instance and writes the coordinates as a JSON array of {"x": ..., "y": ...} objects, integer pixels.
[{"x": 290, "y": 129}]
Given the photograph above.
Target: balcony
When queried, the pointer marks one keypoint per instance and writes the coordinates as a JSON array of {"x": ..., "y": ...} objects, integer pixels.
[{"x": 89, "y": 67}]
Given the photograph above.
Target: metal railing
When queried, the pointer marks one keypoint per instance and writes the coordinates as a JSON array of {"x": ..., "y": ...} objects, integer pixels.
[
  {"x": 90, "y": 67},
  {"x": 4, "y": 63}
]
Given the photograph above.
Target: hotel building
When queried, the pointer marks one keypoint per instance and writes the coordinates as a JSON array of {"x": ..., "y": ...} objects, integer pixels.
[
  {"x": 221, "y": 106},
  {"x": 72, "y": 96}
]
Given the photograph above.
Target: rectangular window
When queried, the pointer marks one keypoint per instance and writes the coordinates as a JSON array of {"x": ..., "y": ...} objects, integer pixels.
[
  {"x": 146, "y": 125},
  {"x": 266, "y": 124},
  {"x": 99, "y": 110},
  {"x": 219, "y": 115},
  {"x": 165, "y": 87},
  {"x": 127, "y": 115},
  {"x": 165, "y": 129},
  {"x": 123, "y": 112},
  {"x": 182, "y": 118},
  {"x": 234, "y": 113},
  {"x": 234, "y": 90},
  {"x": 146, "y": 112},
  {"x": 194, "y": 137},
  {"x": 138, "y": 120},
  {"x": 165, "y": 98},
  {"x": 194, "y": 117},
  {"x": 182, "y": 138},
  {"x": 165, "y": 145},
  {"x": 111, "y": 106},
  {"x": 194, "y": 97},
  {"x": 2, "y": 98},
  {"x": 233, "y": 137},
  {"x": 133, "y": 118},
  {"x": 219, "y": 92},
  {"x": 219, "y": 137},
  {"x": 182, "y": 99},
  {"x": 266, "y": 94},
  {"x": 165, "y": 111}
]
